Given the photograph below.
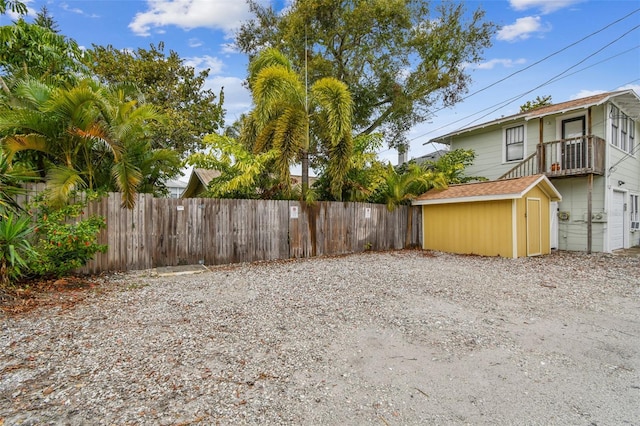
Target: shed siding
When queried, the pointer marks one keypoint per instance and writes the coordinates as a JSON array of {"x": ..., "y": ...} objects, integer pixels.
[{"x": 482, "y": 228}]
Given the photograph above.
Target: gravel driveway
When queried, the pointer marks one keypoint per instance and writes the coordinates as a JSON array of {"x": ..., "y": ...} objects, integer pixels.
[{"x": 392, "y": 338}]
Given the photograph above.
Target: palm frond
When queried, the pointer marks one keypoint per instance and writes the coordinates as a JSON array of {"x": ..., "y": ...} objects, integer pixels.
[
  {"x": 127, "y": 177},
  {"x": 16, "y": 143},
  {"x": 61, "y": 181},
  {"x": 267, "y": 58},
  {"x": 274, "y": 87},
  {"x": 336, "y": 103}
]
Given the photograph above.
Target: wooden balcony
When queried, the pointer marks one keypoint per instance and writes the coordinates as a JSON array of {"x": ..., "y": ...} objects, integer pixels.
[{"x": 563, "y": 158}]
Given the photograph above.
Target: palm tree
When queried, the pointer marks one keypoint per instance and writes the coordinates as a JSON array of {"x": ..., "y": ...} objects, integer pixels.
[
  {"x": 11, "y": 185},
  {"x": 78, "y": 136},
  {"x": 295, "y": 121},
  {"x": 400, "y": 188}
]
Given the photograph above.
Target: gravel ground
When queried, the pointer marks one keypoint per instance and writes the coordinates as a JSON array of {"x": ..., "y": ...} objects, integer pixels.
[{"x": 392, "y": 338}]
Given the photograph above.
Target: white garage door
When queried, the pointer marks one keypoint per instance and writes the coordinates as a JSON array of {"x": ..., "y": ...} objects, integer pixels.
[{"x": 616, "y": 221}]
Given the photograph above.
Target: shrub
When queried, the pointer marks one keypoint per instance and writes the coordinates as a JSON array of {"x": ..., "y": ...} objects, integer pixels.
[
  {"x": 15, "y": 248},
  {"x": 65, "y": 241}
]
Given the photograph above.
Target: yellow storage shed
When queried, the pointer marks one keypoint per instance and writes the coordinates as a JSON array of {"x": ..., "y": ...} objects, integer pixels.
[{"x": 507, "y": 218}]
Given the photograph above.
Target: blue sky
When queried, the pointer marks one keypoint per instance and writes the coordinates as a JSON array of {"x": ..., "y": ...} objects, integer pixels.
[{"x": 201, "y": 32}]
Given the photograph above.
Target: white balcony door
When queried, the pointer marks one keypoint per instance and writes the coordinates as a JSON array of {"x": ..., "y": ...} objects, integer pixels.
[{"x": 574, "y": 150}]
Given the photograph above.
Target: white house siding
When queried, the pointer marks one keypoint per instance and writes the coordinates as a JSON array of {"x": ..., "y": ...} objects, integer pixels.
[
  {"x": 572, "y": 233},
  {"x": 623, "y": 167}
]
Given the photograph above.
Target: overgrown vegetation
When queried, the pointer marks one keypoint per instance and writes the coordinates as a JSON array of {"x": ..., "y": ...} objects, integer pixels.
[
  {"x": 109, "y": 119},
  {"x": 65, "y": 238}
]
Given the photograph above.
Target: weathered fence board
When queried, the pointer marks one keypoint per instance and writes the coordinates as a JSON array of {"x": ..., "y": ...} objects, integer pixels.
[{"x": 168, "y": 232}]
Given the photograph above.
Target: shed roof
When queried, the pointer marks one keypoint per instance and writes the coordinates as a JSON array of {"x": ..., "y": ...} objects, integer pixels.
[{"x": 504, "y": 189}]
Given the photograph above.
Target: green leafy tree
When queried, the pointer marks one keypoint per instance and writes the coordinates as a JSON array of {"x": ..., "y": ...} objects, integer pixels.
[
  {"x": 453, "y": 164},
  {"x": 82, "y": 136},
  {"x": 171, "y": 86},
  {"x": 537, "y": 103},
  {"x": 14, "y": 6},
  {"x": 243, "y": 174},
  {"x": 45, "y": 20},
  {"x": 296, "y": 120},
  {"x": 37, "y": 51},
  {"x": 398, "y": 58}
]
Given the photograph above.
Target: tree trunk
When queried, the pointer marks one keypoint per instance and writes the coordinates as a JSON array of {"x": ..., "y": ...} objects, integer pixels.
[{"x": 305, "y": 173}]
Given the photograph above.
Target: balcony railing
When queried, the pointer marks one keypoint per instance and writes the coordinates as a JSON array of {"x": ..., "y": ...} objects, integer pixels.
[{"x": 566, "y": 157}]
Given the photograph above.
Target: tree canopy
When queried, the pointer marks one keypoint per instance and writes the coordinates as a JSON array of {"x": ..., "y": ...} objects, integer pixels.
[
  {"x": 13, "y": 5},
  {"x": 397, "y": 57},
  {"x": 538, "y": 102},
  {"x": 38, "y": 51},
  {"x": 84, "y": 135},
  {"x": 173, "y": 87}
]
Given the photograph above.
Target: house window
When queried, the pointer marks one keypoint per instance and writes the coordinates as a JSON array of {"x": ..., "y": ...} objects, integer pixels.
[
  {"x": 623, "y": 130},
  {"x": 635, "y": 216},
  {"x": 632, "y": 136},
  {"x": 615, "y": 116},
  {"x": 514, "y": 143}
]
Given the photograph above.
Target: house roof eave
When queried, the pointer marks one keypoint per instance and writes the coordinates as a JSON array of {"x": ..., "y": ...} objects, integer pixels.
[{"x": 628, "y": 99}]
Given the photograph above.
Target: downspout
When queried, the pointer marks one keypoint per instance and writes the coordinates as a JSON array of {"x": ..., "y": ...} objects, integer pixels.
[
  {"x": 540, "y": 147},
  {"x": 589, "y": 191}
]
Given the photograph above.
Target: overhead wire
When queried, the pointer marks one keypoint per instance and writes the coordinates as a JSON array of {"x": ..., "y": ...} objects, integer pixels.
[
  {"x": 548, "y": 56},
  {"x": 530, "y": 66},
  {"x": 551, "y": 80}
]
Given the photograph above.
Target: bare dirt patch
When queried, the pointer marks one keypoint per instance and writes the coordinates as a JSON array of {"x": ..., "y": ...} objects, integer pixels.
[{"x": 379, "y": 338}]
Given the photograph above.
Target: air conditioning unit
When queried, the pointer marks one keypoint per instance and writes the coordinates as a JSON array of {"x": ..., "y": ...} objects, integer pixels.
[{"x": 597, "y": 217}]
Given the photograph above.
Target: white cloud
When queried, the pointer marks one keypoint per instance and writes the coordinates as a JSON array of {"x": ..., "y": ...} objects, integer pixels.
[
  {"x": 506, "y": 63},
  {"x": 545, "y": 6},
  {"x": 634, "y": 87},
  {"x": 521, "y": 29},
  {"x": 229, "y": 48},
  {"x": 30, "y": 11},
  {"x": 225, "y": 15},
  {"x": 194, "y": 42},
  {"x": 201, "y": 63},
  {"x": 76, "y": 10},
  {"x": 586, "y": 93}
]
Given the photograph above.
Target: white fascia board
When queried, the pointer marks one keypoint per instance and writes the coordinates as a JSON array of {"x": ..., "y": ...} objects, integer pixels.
[
  {"x": 467, "y": 199},
  {"x": 441, "y": 139},
  {"x": 547, "y": 187}
]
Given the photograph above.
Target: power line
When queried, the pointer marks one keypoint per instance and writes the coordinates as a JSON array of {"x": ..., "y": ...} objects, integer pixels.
[
  {"x": 551, "y": 55},
  {"x": 526, "y": 68},
  {"x": 504, "y": 103},
  {"x": 515, "y": 98}
]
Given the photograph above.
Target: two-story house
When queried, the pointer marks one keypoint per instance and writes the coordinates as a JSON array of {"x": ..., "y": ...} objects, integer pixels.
[{"x": 590, "y": 150}]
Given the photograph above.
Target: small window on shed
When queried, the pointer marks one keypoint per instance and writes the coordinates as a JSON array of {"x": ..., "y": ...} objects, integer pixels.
[{"x": 514, "y": 143}]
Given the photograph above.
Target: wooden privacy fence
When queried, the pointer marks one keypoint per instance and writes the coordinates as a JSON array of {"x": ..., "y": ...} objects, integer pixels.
[{"x": 169, "y": 232}]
